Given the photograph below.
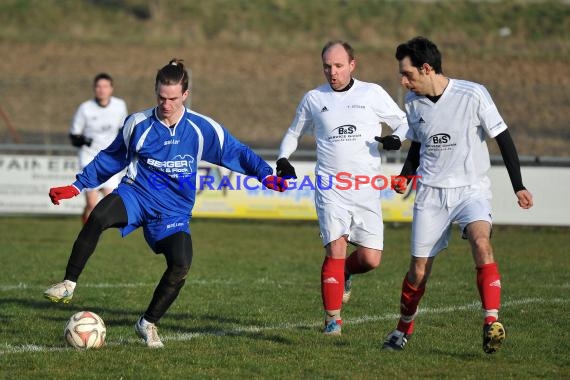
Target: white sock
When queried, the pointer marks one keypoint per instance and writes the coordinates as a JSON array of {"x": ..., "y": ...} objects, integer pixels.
[
  {"x": 71, "y": 284},
  {"x": 491, "y": 313}
]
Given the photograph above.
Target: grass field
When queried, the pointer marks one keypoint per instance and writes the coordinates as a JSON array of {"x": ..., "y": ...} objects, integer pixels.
[{"x": 251, "y": 307}]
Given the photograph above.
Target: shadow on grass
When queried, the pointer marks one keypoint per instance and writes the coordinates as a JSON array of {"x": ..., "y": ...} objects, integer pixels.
[{"x": 207, "y": 324}]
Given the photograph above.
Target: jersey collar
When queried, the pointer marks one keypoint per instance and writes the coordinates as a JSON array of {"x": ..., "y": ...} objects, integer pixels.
[
  {"x": 171, "y": 128},
  {"x": 347, "y": 87}
]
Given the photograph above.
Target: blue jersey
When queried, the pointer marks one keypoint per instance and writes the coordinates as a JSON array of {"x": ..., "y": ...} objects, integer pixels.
[{"x": 162, "y": 161}]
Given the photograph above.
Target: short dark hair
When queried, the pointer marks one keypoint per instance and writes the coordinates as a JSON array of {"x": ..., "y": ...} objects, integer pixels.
[
  {"x": 172, "y": 74},
  {"x": 349, "y": 50},
  {"x": 103, "y": 76},
  {"x": 420, "y": 50}
]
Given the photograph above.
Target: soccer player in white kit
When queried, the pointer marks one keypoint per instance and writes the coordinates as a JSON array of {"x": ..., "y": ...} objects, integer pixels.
[
  {"x": 449, "y": 120},
  {"x": 345, "y": 115},
  {"x": 95, "y": 125}
]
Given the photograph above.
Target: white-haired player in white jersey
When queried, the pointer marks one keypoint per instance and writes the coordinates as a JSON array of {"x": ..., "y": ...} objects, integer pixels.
[
  {"x": 345, "y": 115},
  {"x": 95, "y": 125},
  {"x": 449, "y": 121}
]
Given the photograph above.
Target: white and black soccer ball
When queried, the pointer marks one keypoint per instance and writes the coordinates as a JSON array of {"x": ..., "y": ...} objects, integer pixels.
[{"x": 85, "y": 330}]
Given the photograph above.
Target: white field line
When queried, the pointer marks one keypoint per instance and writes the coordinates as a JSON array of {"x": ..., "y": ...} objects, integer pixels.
[
  {"x": 229, "y": 282},
  {"x": 22, "y": 286},
  {"x": 9, "y": 349}
]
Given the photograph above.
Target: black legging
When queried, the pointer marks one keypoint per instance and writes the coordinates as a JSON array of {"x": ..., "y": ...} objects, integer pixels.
[
  {"x": 177, "y": 249},
  {"x": 110, "y": 212}
]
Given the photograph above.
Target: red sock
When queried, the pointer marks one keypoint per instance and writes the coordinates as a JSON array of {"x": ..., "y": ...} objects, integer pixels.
[
  {"x": 332, "y": 283},
  {"x": 489, "y": 285},
  {"x": 409, "y": 305}
]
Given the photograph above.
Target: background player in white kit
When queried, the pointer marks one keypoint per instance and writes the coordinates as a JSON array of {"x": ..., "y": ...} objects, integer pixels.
[
  {"x": 449, "y": 120},
  {"x": 345, "y": 116},
  {"x": 95, "y": 125}
]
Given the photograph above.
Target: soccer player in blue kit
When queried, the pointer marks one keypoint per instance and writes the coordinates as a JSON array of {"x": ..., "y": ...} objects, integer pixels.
[{"x": 161, "y": 148}]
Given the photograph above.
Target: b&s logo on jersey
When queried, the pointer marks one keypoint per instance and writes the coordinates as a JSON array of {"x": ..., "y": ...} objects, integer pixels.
[
  {"x": 439, "y": 142},
  {"x": 347, "y": 132},
  {"x": 179, "y": 164}
]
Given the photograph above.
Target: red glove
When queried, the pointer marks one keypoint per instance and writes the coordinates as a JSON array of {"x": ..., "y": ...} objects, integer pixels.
[
  {"x": 58, "y": 193},
  {"x": 399, "y": 184},
  {"x": 275, "y": 183}
]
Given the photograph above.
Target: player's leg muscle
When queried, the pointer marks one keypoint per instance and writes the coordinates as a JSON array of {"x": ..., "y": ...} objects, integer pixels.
[
  {"x": 337, "y": 248},
  {"x": 110, "y": 212},
  {"x": 369, "y": 257},
  {"x": 479, "y": 235},
  {"x": 420, "y": 269},
  {"x": 363, "y": 260},
  {"x": 177, "y": 249}
]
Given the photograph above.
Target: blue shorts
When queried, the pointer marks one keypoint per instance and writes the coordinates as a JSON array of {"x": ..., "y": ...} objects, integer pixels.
[{"x": 144, "y": 213}]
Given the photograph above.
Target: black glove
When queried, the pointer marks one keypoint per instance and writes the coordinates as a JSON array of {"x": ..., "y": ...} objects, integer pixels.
[
  {"x": 391, "y": 142},
  {"x": 80, "y": 140},
  {"x": 285, "y": 169}
]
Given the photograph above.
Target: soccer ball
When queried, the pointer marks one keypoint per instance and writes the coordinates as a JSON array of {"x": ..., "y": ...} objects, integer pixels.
[{"x": 85, "y": 330}]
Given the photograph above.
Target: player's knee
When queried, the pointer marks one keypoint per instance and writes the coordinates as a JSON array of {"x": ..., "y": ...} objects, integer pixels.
[
  {"x": 417, "y": 276},
  {"x": 96, "y": 220},
  {"x": 337, "y": 248},
  {"x": 481, "y": 246},
  {"x": 372, "y": 261},
  {"x": 176, "y": 275}
]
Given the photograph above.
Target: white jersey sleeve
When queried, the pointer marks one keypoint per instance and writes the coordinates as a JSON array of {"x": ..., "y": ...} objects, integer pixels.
[
  {"x": 410, "y": 115},
  {"x": 411, "y": 135},
  {"x": 288, "y": 145},
  {"x": 79, "y": 121},
  {"x": 302, "y": 124},
  {"x": 389, "y": 112},
  {"x": 489, "y": 116}
]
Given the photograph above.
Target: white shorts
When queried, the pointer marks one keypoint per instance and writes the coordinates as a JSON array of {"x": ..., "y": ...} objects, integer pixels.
[
  {"x": 435, "y": 209},
  {"x": 85, "y": 157},
  {"x": 361, "y": 223}
]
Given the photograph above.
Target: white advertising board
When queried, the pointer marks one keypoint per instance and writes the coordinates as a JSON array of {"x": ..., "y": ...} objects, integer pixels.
[{"x": 25, "y": 181}]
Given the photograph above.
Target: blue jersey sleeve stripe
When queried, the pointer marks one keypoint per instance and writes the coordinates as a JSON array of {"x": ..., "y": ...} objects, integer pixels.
[
  {"x": 219, "y": 131},
  {"x": 141, "y": 139},
  {"x": 215, "y": 125},
  {"x": 131, "y": 122},
  {"x": 132, "y": 169},
  {"x": 128, "y": 130},
  {"x": 200, "y": 140}
]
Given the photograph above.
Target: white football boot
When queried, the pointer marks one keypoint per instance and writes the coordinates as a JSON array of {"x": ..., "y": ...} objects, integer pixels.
[
  {"x": 148, "y": 332},
  {"x": 60, "y": 292}
]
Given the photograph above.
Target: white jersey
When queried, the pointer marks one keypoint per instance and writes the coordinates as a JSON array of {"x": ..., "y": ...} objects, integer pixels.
[
  {"x": 452, "y": 134},
  {"x": 344, "y": 124},
  {"x": 98, "y": 123}
]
